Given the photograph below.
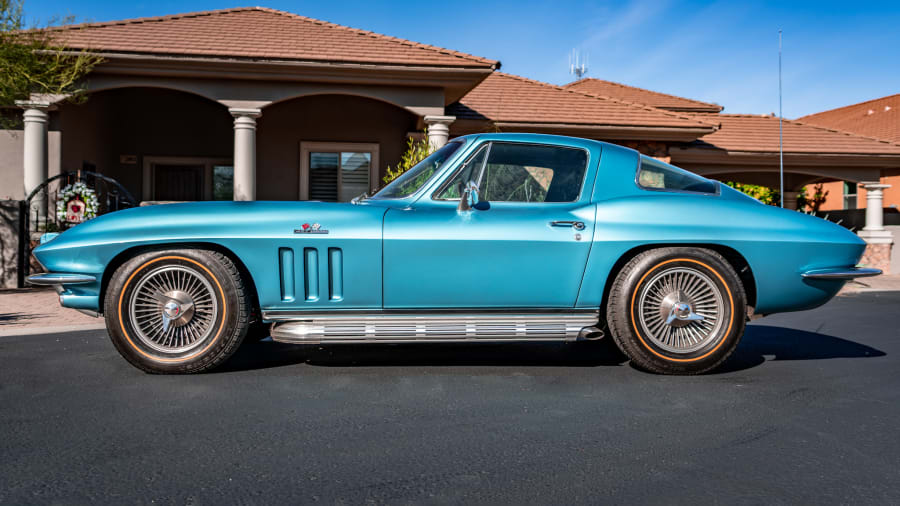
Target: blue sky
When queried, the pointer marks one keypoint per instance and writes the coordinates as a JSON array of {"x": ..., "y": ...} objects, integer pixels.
[{"x": 835, "y": 53}]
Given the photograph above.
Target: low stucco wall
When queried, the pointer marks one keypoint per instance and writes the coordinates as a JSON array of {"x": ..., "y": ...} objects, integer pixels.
[
  {"x": 895, "y": 248},
  {"x": 9, "y": 243}
]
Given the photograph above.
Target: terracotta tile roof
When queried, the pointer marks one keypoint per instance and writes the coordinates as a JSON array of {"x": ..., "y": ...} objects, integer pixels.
[
  {"x": 509, "y": 98},
  {"x": 259, "y": 33},
  {"x": 879, "y": 118},
  {"x": 641, "y": 96},
  {"x": 755, "y": 133}
]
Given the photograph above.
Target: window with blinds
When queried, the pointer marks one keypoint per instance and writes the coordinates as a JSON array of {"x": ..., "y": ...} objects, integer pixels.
[{"x": 338, "y": 176}]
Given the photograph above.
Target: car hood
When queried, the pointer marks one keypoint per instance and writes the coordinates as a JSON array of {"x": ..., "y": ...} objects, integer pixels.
[{"x": 217, "y": 222}]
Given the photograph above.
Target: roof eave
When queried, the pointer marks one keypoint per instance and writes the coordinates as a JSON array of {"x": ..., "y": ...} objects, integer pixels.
[
  {"x": 457, "y": 81},
  {"x": 696, "y": 110},
  {"x": 716, "y": 155},
  {"x": 617, "y": 132}
]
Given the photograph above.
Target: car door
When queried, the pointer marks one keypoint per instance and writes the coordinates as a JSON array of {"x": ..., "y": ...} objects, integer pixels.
[{"x": 528, "y": 250}]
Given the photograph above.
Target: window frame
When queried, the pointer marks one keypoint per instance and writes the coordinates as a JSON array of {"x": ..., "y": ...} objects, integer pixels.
[
  {"x": 490, "y": 143},
  {"x": 640, "y": 167},
  {"x": 336, "y": 147},
  {"x": 446, "y": 184}
]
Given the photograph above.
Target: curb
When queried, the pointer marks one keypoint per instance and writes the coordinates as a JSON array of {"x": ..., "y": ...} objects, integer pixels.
[{"x": 49, "y": 329}]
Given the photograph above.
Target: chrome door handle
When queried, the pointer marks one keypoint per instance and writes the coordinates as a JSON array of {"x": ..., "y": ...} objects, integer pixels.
[{"x": 577, "y": 225}]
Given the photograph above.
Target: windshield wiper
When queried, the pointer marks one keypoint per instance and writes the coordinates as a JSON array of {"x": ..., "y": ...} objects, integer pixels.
[{"x": 359, "y": 198}]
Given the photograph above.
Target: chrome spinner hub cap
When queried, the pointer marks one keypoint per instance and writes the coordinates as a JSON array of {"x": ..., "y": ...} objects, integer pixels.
[
  {"x": 173, "y": 309},
  {"x": 680, "y": 309}
]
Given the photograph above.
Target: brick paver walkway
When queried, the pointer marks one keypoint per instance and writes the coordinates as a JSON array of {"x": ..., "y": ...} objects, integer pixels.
[
  {"x": 37, "y": 310},
  {"x": 32, "y": 311},
  {"x": 890, "y": 282}
]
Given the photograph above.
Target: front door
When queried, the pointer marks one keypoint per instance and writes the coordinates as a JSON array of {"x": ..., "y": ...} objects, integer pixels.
[
  {"x": 175, "y": 178},
  {"x": 528, "y": 250},
  {"x": 178, "y": 182}
]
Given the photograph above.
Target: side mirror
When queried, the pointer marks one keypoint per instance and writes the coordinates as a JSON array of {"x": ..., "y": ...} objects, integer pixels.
[{"x": 469, "y": 200}]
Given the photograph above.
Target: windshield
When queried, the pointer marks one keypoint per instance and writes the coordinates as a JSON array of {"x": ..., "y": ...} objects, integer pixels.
[{"x": 410, "y": 181}]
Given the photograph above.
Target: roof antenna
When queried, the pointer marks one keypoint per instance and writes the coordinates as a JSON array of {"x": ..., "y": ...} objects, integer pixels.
[
  {"x": 780, "y": 129},
  {"x": 577, "y": 65}
]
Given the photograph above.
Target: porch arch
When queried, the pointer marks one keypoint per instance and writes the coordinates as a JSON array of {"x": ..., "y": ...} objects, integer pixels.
[{"x": 118, "y": 128}]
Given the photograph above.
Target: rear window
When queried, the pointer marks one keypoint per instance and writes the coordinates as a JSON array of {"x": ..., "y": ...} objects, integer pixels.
[{"x": 656, "y": 175}]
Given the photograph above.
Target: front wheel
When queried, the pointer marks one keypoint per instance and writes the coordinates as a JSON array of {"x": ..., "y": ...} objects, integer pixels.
[
  {"x": 177, "y": 311},
  {"x": 677, "y": 310}
]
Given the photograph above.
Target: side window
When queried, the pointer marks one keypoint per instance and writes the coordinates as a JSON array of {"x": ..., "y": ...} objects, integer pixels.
[
  {"x": 532, "y": 173},
  {"x": 469, "y": 172},
  {"x": 656, "y": 175}
]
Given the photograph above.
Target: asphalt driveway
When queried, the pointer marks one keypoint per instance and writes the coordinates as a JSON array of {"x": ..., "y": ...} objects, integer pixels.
[{"x": 807, "y": 411}]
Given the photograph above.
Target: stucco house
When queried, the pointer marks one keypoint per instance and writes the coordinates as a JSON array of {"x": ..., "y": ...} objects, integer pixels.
[
  {"x": 879, "y": 119},
  {"x": 255, "y": 103}
]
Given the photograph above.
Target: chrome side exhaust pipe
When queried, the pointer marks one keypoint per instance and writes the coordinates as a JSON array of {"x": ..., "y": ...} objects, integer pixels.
[{"x": 591, "y": 334}]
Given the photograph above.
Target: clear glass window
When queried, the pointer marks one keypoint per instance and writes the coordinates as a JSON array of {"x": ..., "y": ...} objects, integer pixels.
[
  {"x": 223, "y": 182},
  {"x": 416, "y": 177},
  {"x": 656, "y": 175},
  {"x": 532, "y": 173},
  {"x": 850, "y": 193}
]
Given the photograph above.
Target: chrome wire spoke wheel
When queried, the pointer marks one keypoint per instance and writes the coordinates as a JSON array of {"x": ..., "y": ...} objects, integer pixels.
[
  {"x": 681, "y": 310},
  {"x": 173, "y": 309}
]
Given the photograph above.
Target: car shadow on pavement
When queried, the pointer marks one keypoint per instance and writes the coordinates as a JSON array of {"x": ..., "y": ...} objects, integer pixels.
[
  {"x": 760, "y": 343},
  {"x": 10, "y": 318},
  {"x": 265, "y": 354},
  {"x": 764, "y": 342}
]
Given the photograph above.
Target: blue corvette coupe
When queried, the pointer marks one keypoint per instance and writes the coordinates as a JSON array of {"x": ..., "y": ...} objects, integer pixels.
[{"x": 494, "y": 237}]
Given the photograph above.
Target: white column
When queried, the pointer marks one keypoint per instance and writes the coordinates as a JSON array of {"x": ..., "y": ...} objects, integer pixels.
[
  {"x": 874, "y": 232},
  {"x": 245, "y": 152},
  {"x": 790, "y": 200},
  {"x": 438, "y": 129},
  {"x": 35, "y": 151}
]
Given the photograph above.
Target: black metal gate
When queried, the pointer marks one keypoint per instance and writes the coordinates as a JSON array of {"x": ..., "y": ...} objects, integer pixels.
[{"x": 112, "y": 196}]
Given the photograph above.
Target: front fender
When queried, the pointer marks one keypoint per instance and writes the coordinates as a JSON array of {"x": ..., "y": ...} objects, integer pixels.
[{"x": 254, "y": 232}]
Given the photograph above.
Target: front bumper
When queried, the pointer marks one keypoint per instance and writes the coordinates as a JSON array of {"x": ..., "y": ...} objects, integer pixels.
[
  {"x": 86, "y": 303},
  {"x": 841, "y": 273},
  {"x": 58, "y": 278}
]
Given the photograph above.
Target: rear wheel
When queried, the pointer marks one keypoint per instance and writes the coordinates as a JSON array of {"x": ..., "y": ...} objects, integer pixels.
[
  {"x": 677, "y": 310},
  {"x": 177, "y": 311}
]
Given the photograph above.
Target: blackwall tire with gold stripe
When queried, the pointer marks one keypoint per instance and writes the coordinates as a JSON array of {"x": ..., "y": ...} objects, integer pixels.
[
  {"x": 677, "y": 310},
  {"x": 177, "y": 311}
]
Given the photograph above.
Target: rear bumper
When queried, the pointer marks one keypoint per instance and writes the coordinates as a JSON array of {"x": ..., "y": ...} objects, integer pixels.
[{"x": 841, "y": 273}]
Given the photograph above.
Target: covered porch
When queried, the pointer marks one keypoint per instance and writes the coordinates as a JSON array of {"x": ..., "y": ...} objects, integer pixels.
[{"x": 286, "y": 107}]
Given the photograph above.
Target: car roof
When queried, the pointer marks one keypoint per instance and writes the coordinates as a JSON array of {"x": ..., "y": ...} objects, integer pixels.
[{"x": 544, "y": 138}]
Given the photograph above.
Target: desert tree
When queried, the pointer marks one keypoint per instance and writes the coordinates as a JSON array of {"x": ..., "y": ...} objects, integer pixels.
[{"x": 34, "y": 60}]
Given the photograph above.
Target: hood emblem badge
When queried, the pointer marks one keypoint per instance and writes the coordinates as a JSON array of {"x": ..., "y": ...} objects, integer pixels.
[{"x": 306, "y": 228}]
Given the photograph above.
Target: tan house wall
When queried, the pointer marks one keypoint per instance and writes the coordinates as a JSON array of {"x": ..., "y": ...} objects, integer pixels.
[
  {"x": 834, "y": 200},
  {"x": 891, "y": 195},
  {"x": 323, "y": 118},
  {"x": 11, "y": 163}
]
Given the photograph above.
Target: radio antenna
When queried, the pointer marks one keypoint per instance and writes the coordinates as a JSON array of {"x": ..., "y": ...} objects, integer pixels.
[
  {"x": 780, "y": 129},
  {"x": 577, "y": 64}
]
